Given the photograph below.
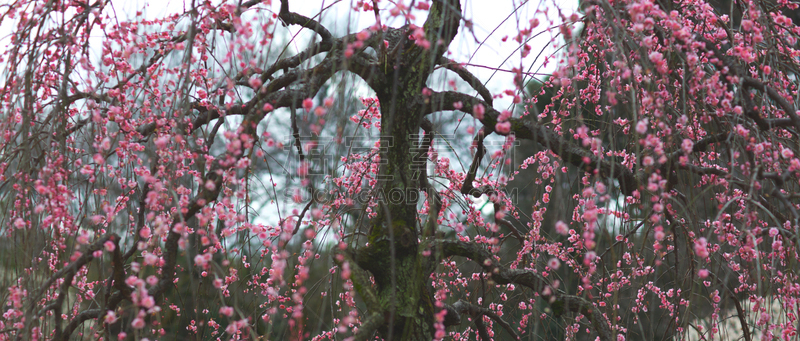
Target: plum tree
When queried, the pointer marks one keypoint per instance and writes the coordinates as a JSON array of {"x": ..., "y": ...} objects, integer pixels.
[{"x": 149, "y": 194}]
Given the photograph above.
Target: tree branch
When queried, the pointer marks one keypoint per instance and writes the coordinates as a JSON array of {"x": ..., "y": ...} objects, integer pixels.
[
  {"x": 315, "y": 78},
  {"x": 464, "y": 307},
  {"x": 788, "y": 108},
  {"x": 291, "y": 18},
  {"x": 530, "y": 279},
  {"x": 420, "y": 160},
  {"x": 467, "y": 187},
  {"x": 526, "y": 128},
  {"x": 368, "y": 327},
  {"x": 68, "y": 273},
  {"x": 468, "y": 77},
  {"x": 360, "y": 278}
]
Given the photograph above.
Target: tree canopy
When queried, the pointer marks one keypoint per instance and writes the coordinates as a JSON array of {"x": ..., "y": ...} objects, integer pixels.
[{"x": 208, "y": 174}]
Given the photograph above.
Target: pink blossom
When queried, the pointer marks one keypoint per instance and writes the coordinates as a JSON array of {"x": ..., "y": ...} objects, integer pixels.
[
  {"x": 701, "y": 248},
  {"x": 308, "y": 103},
  {"x": 144, "y": 232},
  {"x": 255, "y": 82},
  {"x": 590, "y": 215},
  {"x": 478, "y": 110},
  {"x": 742, "y": 131},
  {"x": 562, "y": 228},
  {"x": 641, "y": 127},
  {"x": 99, "y": 159},
  {"x": 747, "y": 25},
  {"x": 161, "y": 142},
  {"x": 227, "y": 311},
  {"x": 787, "y": 153},
  {"x": 200, "y": 261},
  {"x": 687, "y": 146},
  {"x": 505, "y": 115},
  {"x": 110, "y": 317},
  {"x": 503, "y": 128},
  {"x": 148, "y": 302},
  {"x": 656, "y": 57},
  {"x": 150, "y": 259},
  {"x": 137, "y": 323},
  {"x": 554, "y": 263},
  {"x": 109, "y": 246}
]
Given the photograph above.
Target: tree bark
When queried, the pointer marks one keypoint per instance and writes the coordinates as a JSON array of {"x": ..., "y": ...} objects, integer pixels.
[{"x": 392, "y": 255}]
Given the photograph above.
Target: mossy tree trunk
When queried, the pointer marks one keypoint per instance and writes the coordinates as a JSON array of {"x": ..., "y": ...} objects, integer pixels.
[{"x": 393, "y": 255}]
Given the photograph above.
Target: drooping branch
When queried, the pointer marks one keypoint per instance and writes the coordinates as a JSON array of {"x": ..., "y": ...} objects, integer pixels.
[
  {"x": 140, "y": 217},
  {"x": 278, "y": 94},
  {"x": 728, "y": 64},
  {"x": 740, "y": 313},
  {"x": 514, "y": 230},
  {"x": 359, "y": 63},
  {"x": 361, "y": 282}
]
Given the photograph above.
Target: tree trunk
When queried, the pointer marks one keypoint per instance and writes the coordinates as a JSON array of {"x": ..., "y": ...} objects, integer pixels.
[{"x": 392, "y": 255}]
